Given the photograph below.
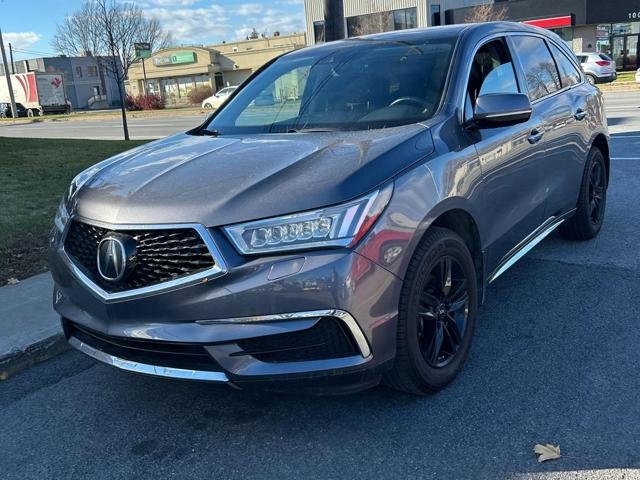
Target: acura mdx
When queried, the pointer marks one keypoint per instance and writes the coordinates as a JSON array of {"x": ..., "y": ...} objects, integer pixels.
[{"x": 344, "y": 232}]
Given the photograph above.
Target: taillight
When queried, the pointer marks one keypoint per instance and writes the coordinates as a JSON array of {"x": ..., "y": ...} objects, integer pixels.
[{"x": 603, "y": 63}]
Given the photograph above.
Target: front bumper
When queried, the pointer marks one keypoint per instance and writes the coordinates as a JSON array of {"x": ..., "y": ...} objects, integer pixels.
[{"x": 243, "y": 326}]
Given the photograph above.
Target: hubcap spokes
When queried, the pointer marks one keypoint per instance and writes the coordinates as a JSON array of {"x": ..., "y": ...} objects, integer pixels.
[
  {"x": 596, "y": 192},
  {"x": 442, "y": 313}
]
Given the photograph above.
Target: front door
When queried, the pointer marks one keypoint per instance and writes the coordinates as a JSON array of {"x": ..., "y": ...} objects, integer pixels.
[
  {"x": 512, "y": 190},
  {"x": 624, "y": 50}
]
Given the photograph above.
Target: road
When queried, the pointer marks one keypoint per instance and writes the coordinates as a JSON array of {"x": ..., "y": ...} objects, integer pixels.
[
  {"x": 623, "y": 109},
  {"x": 555, "y": 359}
]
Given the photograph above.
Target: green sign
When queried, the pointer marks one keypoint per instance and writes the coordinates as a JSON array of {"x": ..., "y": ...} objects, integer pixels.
[
  {"x": 175, "y": 59},
  {"x": 143, "y": 49}
]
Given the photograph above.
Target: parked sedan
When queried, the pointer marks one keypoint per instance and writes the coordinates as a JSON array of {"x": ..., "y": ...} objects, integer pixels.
[
  {"x": 598, "y": 67},
  {"x": 349, "y": 237},
  {"x": 215, "y": 100},
  {"x": 5, "y": 110}
]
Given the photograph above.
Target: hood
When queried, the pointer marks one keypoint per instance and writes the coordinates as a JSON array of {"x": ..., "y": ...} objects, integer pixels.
[{"x": 229, "y": 179}]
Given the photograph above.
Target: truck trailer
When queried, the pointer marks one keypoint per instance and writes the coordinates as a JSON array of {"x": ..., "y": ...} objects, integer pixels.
[{"x": 39, "y": 93}]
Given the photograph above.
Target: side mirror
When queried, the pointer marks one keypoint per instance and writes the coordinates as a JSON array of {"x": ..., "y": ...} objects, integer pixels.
[{"x": 500, "y": 109}]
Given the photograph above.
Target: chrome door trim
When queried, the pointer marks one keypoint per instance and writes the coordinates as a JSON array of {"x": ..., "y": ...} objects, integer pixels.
[
  {"x": 219, "y": 268},
  {"x": 341, "y": 315},
  {"x": 534, "y": 238},
  {"x": 147, "y": 369}
]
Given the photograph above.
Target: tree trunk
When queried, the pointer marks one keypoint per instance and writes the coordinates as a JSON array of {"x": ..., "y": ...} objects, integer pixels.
[{"x": 123, "y": 109}]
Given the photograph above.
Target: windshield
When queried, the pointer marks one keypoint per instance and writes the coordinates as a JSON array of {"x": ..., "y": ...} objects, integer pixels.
[{"x": 357, "y": 85}]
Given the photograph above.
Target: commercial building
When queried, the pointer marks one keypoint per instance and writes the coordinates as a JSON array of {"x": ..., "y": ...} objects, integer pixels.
[
  {"x": 604, "y": 26},
  {"x": 173, "y": 72},
  {"x": 88, "y": 84}
]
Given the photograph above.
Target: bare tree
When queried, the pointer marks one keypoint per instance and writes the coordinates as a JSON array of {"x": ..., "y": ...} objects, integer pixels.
[
  {"x": 108, "y": 30},
  {"x": 487, "y": 12}
]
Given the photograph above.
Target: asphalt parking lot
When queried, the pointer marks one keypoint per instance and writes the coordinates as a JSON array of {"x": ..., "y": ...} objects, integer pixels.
[{"x": 555, "y": 359}]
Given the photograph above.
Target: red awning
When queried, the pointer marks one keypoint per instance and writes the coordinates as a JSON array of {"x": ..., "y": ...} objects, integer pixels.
[{"x": 551, "y": 22}]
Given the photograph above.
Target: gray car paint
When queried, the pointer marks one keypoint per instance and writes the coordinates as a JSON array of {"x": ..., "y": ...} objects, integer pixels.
[{"x": 494, "y": 178}]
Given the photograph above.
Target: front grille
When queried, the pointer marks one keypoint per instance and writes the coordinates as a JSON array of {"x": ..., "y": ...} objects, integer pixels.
[
  {"x": 161, "y": 254},
  {"x": 328, "y": 338},
  {"x": 150, "y": 352}
]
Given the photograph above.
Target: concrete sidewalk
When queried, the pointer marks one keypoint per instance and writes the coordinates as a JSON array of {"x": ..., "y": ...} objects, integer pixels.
[{"x": 30, "y": 330}]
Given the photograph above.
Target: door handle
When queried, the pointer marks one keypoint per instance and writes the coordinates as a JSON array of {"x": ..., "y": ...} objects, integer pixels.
[
  {"x": 580, "y": 114},
  {"x": 535, "y": 136}
]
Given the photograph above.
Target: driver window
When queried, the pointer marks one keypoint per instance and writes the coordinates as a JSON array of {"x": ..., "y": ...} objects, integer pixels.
[{"x": 491, "y": 72}]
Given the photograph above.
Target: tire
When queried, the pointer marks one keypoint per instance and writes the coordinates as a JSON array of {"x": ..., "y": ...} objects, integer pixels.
[
  {"x": 585, "y": 224},
  {"x": 591, "y": 79},
  {"x": 417, "y": 370}
]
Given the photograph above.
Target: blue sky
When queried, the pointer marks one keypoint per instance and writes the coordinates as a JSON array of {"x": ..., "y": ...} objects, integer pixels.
[{"x": 30, "y": 24}]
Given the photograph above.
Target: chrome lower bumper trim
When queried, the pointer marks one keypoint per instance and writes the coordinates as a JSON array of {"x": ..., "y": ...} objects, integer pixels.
[
  {"x": 345, "y": 317},
  {"x": 155, "y": 370}
]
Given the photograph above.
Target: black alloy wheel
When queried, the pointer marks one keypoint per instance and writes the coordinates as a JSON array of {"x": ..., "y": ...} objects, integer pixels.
[
  {"x": 444, "y": 308},
  {"x": 597, "y": 186},
  {"x": 436, "y": 315}
]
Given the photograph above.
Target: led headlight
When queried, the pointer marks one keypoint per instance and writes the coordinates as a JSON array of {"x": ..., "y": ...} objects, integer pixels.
[{"x": 336, "y": 226}]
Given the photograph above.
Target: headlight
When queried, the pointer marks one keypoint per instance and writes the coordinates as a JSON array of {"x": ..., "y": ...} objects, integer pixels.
[
  {"x": 62, "y": 215},
  {"x": 337, "y": 226}
]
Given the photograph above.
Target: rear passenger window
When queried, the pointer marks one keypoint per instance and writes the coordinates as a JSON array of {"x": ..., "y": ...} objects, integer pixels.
[
  {"x": 539, "y": 67},
  {"x": 568, "y": 73}
]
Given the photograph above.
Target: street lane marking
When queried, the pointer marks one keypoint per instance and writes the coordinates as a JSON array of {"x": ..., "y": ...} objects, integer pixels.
[{"x": 625, "y": 158}]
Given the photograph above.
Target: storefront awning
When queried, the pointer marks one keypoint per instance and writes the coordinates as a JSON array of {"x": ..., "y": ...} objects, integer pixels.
[{"x": 551, "y": 22}]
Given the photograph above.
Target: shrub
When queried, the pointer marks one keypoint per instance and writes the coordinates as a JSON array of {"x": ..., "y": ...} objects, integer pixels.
[
  {"x": 144, "y": 102},
  {"x": 198, "y": 94}
]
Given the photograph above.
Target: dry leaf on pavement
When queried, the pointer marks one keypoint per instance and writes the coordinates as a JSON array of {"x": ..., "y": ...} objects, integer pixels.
[{"x": 547, "y": 452}]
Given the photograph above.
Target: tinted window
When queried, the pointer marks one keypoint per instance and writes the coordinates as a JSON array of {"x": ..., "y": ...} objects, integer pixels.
[
  {"x": 539, "y": 67},
  {"x": 568, "y": 73},
  {"x": 605, "y": 57},
  {"x": 491, "y": 72},
  {"x": 582, "y": 58},
  {"x": 357, "y": 87}
]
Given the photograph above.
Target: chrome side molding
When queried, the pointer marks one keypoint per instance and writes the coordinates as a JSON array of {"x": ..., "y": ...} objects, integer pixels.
[
  {"x": 146, "y": 369},
  {"x": 341, "y": 315},
  {"x": 525, "y": 246}
]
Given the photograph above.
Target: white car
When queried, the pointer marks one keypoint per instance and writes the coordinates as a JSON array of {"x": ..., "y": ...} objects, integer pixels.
[
  {"x": 215, "y": 100},
  {"x": 638, "y": 76}
]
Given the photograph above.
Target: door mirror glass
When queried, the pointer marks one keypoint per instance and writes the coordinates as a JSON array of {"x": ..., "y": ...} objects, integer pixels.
[{"x": 501, "y": 109}]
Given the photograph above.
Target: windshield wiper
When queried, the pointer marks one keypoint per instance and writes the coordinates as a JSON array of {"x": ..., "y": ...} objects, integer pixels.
[{"x": 310, "y": 130}]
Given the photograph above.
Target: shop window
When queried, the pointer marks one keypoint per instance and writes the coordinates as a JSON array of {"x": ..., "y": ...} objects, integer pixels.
[
  {"x": 318, "y": 31},
  {"x": 382, "y": 22},
  {"x": 435, "y": 14}
]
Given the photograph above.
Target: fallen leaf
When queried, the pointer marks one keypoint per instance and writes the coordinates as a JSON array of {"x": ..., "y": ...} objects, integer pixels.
[
  {"x": 13, "y": 281},
  {"x": 547, "y": 452}
]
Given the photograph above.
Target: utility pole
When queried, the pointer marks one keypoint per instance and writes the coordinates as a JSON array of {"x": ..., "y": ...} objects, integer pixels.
[
  {"x": 13, "y": 65},
  {"x": 14, "y": 110}
]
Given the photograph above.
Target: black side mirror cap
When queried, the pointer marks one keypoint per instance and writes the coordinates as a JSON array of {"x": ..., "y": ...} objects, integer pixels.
[{"x": 500, "y": 109}]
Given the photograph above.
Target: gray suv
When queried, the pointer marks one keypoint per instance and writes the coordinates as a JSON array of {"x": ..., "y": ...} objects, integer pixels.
[{"x": 344, "y": 233}]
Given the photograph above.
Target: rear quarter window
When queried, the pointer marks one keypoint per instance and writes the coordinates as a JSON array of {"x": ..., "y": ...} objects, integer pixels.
[{"x": 569, "y": 74}]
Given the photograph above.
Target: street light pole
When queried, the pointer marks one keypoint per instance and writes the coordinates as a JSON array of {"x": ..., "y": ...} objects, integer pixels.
[
  {"x": 14, "y": 110},
  {"x": 13, "y": 64}
]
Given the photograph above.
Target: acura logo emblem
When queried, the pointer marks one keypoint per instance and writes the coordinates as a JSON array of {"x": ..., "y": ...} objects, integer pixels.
[{"x": 114, "y": 254}]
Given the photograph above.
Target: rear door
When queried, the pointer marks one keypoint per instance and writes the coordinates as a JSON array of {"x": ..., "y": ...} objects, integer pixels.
[{"x": 553, "y": 111}]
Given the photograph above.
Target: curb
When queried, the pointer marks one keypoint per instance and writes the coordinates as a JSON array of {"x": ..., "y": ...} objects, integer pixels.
[{"x": 40, "y": 351}]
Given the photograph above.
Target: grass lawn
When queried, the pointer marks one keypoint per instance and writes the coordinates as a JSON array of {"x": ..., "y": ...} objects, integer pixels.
[{"x": 34, "y": 174}]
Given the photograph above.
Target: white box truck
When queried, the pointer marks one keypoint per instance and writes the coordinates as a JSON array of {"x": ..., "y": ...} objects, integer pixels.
[{"x": 39, "y": 93}]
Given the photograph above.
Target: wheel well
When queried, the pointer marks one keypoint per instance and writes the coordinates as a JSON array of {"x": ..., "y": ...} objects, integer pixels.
[
  {"x": 601, "y": 142},
  {"x": 464, "y": 225}
]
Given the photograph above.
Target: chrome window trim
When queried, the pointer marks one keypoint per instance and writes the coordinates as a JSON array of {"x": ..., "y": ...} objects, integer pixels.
[
  {"x": 219, "y": 268},
  {"x": 341, "y": 315},
  {"x": 147, "y": 369}
]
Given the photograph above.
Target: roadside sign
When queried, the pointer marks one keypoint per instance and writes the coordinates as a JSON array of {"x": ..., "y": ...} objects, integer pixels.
[{"x": 143, "y": 49}]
